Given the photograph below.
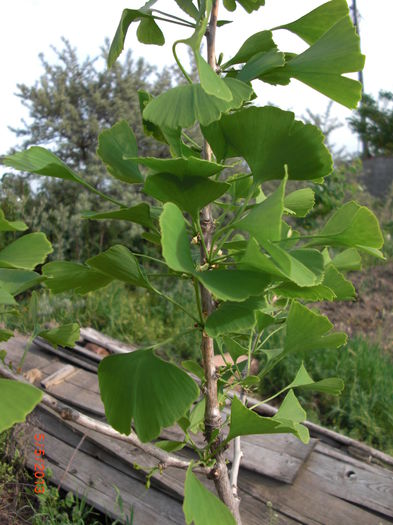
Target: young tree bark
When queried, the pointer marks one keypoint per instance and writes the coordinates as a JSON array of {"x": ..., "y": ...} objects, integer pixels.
[{"x": 213, "y": 420}]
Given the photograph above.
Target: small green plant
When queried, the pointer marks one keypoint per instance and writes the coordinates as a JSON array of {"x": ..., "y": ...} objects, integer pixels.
[{"x": 225, "y": 235}]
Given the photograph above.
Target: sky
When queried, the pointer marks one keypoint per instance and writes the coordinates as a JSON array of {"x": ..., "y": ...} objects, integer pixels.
[{"x": 29, "y": 27}]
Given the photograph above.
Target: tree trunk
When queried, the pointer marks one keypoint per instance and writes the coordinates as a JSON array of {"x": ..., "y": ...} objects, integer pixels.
[{"x": 212, "y": 413}]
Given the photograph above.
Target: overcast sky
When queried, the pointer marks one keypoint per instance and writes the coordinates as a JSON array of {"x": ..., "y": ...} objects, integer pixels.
[{"x": 28, "y": 27}]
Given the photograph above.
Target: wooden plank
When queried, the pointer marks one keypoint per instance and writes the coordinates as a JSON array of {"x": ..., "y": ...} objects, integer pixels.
[
  {"x": 83, "y": 399},
  {"x": 113, "y": 345},
  {"x": 305, "y": 501},
  {"x": 353, "y": 480},
  {"x": 68, "y": 355},
  {"x": 59, "y": 376},
  {"x": 97, "y": 480}
]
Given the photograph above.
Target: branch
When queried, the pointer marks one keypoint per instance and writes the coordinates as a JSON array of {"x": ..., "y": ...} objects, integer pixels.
[{"x": 70, "y": 414}]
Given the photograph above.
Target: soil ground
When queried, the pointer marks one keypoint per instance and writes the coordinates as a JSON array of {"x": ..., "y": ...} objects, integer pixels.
[{"x": 371, "y": 315}]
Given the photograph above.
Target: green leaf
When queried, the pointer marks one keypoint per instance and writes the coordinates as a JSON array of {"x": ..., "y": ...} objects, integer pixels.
[
  {"x": 351, "y": 225},
  {"x": 233, "y": 285},
  {"x": 322, "y": 65},
  {"x": 149, "y": 128},
  {"x": 332, "y": 385},
  {"x": 319, "y": 292},
  {"x": 128, "y": 16},
  {"x": 114, "y": 145},
  {"x": 181, "y": 167},
  {"x": 193, "y": 367},
  {"x": 248, "y": 5},
  {"x": 5, "y": 297},
  {"x": 26, "y": 252},
  {"x": 197, "y": 415},
  {"x": 300, "y": 202},
  {"x": 63, "y": 276},
  {"x": 11, "y": 226},
  {"x": 348, "y": 260},
  {"x": 234, "y": 348},
  {"x": 148, "y": 32},
  {"x": 5, "y": 334},
  {"x": 265, "y": 219},
  {"x": 211, "y": 83},
  {"x": 139, "y": 214},
  {"x": 232, "y": 317},
  {"x": 315, "y": 24},
  {"x": 245, "y": 422},
  {"x": 141, "y": 387},
  {"x": 17, "y": 400},
  {"x": 201, "y": 507},
  {"x": 342, "y": 288},
  {"x": 66, "y": 335},
  {"x": 18, "y": 281},
  {"x": 302, "y": 321},
  {"x": 119, "y": 263},
  {"x": 175, "y": 242},
  {"x": 261, "y": 42},
  {"x": 261, "y": 63},
  {"x": 41, "y": 162},
  {"x": 292, "y": 412},
  {"x": 182, "y": 106},
  {"x": 189, "y": 193},
  {"x": 282, "y": 140},
  {"x": 169, "y": 446},
  {"x": 188, "y": 7}
]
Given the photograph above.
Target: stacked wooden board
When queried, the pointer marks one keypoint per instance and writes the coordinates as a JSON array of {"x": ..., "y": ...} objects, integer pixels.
[{"x": 332, "y": 480}]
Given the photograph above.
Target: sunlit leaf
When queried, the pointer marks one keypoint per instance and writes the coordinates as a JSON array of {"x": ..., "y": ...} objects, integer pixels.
[
  {"x": 201, "y": 507},
  {"x": 26, "y": 252},
  {"x": 65, "y": 335},
  {"x": 261, "y": 42},
  {"x": 348, "y": 260},
  {"x": 300, "y": 202},
  {"x": 211, "y": 83},
  {"x": 302, "y": 321},
  {"x": 182, "y": 106},
  {"x": 175, "y": 242},
  {"x": 282, "y": 140},
  {"x": 148, "y": 32},
  {"x": 331, "y": 385},
  {"x": 18, "y": 281},
  {"x": 261, "y": 63},
  {"x": 114, "y": 145},
  {"x": 5, "y": 297},
  {"x": 140, "y": 387},
  {"x": 11, "y": 226},
  {"x": 342, "y": 287},
  {"x": 17, "y": 400},
  {"x": 169, "y": 446}
]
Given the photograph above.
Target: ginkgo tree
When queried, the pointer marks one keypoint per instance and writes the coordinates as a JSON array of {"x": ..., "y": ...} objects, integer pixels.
[{"x": 225, "y": 234}]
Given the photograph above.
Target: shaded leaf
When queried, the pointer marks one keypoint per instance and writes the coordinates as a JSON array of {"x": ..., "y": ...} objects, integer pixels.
[
  {"x": 342, "y": 288},
  {"x": 319, "y": 292},
  {"x": 182, "y": 167},
  {"x": 300, "y": 202},
  {"x": 5, "y": 297},
  {"x": 18, "y": 281},
  {"x": 188, "y": 7},
  {"x": 234, "y": 348},
  {"x": 63, "y": 276},
  {"x": 169, "y": 446},
  {"x": 26, "y": 252},
  {"x": 5, "y": 334},
  {"x": 175, "y": 242},
  {"x": 233, "y": 285},
  {"x": 260, "y": 42},
  {"x": 148, "y": 32},
  {"x": 119, "y": 263},
  {"x": 114, "y": 145},
  {"x": 201, "y": 507},
  {"x": 332, "y": 385},
  {"x": 232, "y": 317},
  {"x": 261, "y": 63},
  {"x": 140, "y": 387},
  {"x": 193, "y": 367},
  {"x": 66, "y": 335},
  {"x": 11, "y": 226},
  {"x": 282, "y": 140},
  {"x": 139, "y": 214},
  {"x": 17, "y": 400}
]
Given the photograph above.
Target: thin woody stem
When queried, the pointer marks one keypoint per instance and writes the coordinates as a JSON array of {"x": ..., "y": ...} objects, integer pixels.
[{"x": 213, "y": 420}]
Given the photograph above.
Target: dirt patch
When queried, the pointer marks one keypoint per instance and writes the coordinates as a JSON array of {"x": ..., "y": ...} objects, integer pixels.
[{"x": 371, "y": 314}]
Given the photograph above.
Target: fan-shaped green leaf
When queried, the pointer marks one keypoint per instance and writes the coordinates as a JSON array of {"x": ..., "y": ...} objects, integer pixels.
[
  {"x": 189, "y": 193},
  {"x": 331, "y": 385},
  {"x": 65, "y": 335},
  {"x": 261, "y": 42},
  {"x": 282, "y": 140},
  {"x": 233, "y": 285},
  {"x": 148, "y": 32},
  {"x": 315, "y": 23},
  {"x": 232, "y": 317},
  {"x": 18, "y": 281},
  {"x": 140, "y": 387},
  {"x": 119, "y": 263},
  {"x": 342, "y": 288},
  {"x": 114, "y": 146},
  {"x": 201, "y": 507},
  {"x": 181, "y": 166},
  {"x": 11, "y": 226},
  {"x": 348, "y": 260},
  {"x": 17, "y": 400},
  {"x": 261, "y": 63},
  {"x": 182, "y": 106},
  {"x": 26, "y": 252},
  {"x": 140, "y": 214},
  {"x": 175, "y": 242},
  {"x": 302, "y": 321},
  {"x": 5, "y": 297},
  {"x": 188, "y": 7},
  {"x": 319, "y": 292},
  {"x": 63, "y": 276},
  {"x": 300, "y": 202},
  {"x": 248, "y": 5}
]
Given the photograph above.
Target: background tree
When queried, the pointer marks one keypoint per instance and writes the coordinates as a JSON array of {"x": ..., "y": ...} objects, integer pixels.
[
  {"x": 373, "y": 121},
  {"x": 68, "y": 106}
]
